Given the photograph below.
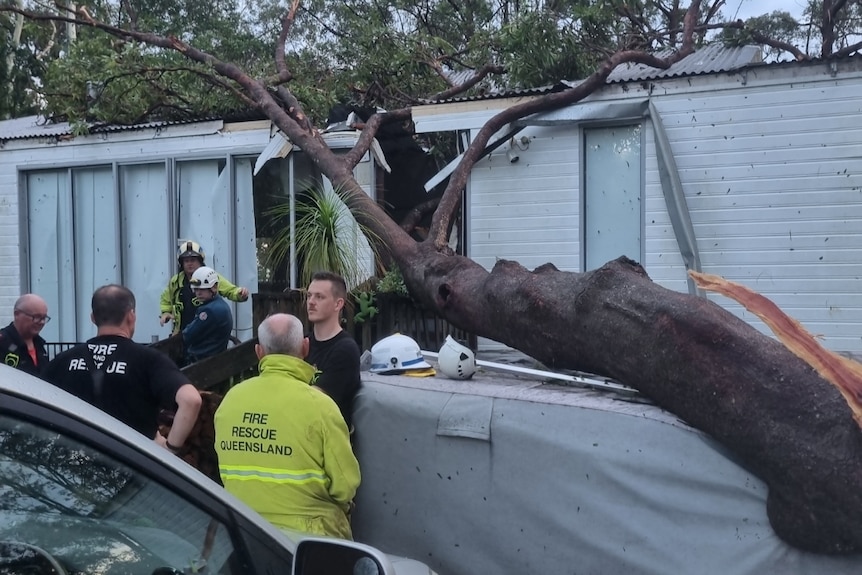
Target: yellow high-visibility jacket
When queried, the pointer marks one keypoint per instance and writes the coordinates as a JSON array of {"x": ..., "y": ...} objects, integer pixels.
[
  {"x": 170, "y": 301},
  {"x": 284, "y": 449}
]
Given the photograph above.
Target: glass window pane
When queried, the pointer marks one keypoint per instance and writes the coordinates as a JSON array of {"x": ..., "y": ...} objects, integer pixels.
[
  {"x": 96, "y": 239},
  {"x": 96, "y": 515},
  {"x": 612, "y": 195}
]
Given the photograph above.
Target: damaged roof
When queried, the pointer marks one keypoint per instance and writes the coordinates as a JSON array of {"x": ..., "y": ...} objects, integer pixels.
[{"x": 711, "y": 59}]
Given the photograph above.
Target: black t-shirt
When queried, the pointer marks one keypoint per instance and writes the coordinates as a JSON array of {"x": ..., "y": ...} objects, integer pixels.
[
  {"x": 337, "y": 361},
  {"x": 138, "y": 381},
  {"x": 187, "y": 296}
]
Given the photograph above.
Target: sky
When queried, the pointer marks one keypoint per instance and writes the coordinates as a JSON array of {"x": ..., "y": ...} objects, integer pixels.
[{"x": 747, "y": 8}]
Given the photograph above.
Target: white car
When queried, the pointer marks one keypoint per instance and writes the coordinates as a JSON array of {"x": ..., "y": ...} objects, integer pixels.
[{"x": 82, "y": 493}]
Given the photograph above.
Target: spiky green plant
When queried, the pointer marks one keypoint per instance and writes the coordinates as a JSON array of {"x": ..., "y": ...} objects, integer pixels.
[{"x": 327, "y": 236}]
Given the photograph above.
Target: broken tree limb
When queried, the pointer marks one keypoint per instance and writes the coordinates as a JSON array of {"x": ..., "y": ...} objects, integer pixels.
[
  {"x": 697, "y": 360},
  {"x": 843, "y": 373}
]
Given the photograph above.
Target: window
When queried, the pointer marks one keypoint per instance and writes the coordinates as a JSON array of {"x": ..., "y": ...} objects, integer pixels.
[
  {"x": 119, "y": 223},
  {"x": 93, "y": 514},
  {"x": 612, "y": 194}
]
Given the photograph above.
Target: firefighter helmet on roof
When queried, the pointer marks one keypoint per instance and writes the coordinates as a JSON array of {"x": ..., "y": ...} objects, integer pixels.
[
  {"x": 397, "y": 354},
  {"x": 455, "y": 360}
]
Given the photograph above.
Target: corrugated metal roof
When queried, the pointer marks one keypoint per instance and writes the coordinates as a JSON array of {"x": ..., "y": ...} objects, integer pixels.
[
  {"x": 710, "y": 59},
  {"x": 35, "y": 127}
]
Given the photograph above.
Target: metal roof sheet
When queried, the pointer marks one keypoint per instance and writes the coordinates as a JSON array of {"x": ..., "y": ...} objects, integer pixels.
[
  {"x": 35, "y": 127},
  {"x": 712, "y": 58}
]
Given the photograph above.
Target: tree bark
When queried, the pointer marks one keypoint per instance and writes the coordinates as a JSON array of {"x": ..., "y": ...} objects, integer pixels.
[{"x": 715, "y": 371}]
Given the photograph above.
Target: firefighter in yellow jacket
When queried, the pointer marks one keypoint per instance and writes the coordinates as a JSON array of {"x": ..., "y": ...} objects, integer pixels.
[
  {"x": 178, "y": 302},
  {"x": 283, "y": 446}
]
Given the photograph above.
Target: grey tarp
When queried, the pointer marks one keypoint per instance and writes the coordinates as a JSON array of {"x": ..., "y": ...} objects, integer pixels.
[{"x": 501, "y": 475}]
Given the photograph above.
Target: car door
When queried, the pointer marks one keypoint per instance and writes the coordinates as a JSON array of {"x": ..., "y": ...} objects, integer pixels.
[{"x": 85, "y": 501}]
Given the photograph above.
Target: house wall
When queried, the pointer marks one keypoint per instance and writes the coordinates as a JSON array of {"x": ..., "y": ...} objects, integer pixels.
[
  {"x": 774, "y": 186},
  {"x": 768, "y": 160},
  {"x": 191, "y": 141},
  {"x": 529, "y": 210}
]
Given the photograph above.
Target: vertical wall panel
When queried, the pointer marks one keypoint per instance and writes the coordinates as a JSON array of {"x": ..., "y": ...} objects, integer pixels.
[
  {"x": 50, "y": 237},
  {"x": 96, "y": 240},
  {"x": 146, "y": 252}
]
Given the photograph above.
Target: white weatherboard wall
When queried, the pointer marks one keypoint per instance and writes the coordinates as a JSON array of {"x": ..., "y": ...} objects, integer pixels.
[
  {"x": 122, "y": 154},
  {"x": 529, "y": 210},
  {"x": 769, "y": 161},
  {"x": 774, "y": 186}
]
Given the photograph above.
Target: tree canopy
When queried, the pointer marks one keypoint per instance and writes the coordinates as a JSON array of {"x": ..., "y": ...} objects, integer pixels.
[{"x": 378, "y": 53}]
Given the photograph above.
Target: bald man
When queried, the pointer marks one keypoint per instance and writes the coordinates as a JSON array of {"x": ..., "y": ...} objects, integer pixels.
[{"x": 21, "y": 346}]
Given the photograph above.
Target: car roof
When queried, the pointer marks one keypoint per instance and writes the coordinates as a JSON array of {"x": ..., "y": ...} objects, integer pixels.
[{"x": 17, "y": 383}]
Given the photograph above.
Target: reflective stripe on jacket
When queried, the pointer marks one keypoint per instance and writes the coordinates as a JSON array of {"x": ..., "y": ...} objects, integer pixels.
[
  {"x": 171, "y": 302},
  {"x": 284, "y": 449}
]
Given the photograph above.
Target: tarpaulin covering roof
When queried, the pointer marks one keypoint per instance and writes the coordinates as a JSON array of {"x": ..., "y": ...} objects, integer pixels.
[{"x": 506, "y": 475}]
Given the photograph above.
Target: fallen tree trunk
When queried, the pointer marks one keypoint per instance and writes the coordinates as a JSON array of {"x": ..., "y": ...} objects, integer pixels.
[{"x": 693, "y": 358}]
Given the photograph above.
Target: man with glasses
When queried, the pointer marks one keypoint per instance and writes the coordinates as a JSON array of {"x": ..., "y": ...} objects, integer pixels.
[{"x": 21, "y": 346}]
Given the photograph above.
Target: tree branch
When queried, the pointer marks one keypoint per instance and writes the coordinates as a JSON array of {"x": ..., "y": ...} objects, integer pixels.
[
  {"x": 294, "y": 109},
  {"x": 283, "y": 73},
  {"x": 133, "y": 15},
  {"x": 827, "y": 28},
  {"x": 451, "y": 200},
  {"x": 477, "y": 77},
  {"x": 369, "y": 131},
  {"x": 848, "y": 50},
  {"x": 417, "y": 212}
]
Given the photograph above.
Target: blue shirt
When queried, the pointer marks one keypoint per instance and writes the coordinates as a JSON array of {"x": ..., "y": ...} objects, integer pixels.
[{"x": 209, "y": 331}]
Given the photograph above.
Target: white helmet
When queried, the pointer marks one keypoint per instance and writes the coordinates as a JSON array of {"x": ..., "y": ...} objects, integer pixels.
[
  {"x": 204, "y": 278},
  {"x": 190, "y": 249},
  {"x": 455, "y": 360},
  {"x": 395, "y": 354}
]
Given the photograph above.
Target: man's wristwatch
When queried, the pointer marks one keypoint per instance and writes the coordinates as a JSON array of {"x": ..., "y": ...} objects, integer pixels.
[{"x": 173, "y": 448}]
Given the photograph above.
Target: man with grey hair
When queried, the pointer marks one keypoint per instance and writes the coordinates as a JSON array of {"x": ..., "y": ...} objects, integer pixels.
[
  {"x": 283, "y": 446},
  {"x": 21, "y": 346}
]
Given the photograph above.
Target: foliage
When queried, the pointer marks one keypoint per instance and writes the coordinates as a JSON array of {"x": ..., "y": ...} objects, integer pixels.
[
  {"x": 325, "y": 236},
  {"x": 384, "y": 53},
  {"x": 778, "y": 25},
  {"x": 128, "y": 84},
  {"x": 377, "y": 53},
  {"x": 22, "y": 64},
  {"x": 109, "y": 80},
  {"x": 392, "y": 282}
]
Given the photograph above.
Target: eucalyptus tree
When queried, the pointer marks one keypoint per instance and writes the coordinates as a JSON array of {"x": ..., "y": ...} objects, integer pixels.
[
  {"x": 682, "y": 351},
  {"x": 25, "y": 49}
]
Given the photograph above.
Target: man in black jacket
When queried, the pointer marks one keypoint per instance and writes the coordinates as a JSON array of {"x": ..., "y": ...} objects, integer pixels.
[{"x": 21, "y": 346}]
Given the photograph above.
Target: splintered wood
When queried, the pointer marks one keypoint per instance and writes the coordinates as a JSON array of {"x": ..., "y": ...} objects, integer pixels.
[{"x": 843, "y": 373}]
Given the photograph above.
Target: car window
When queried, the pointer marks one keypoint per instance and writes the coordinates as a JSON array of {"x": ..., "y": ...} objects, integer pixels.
[{"x": 91, "y": 514}]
